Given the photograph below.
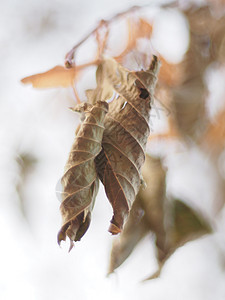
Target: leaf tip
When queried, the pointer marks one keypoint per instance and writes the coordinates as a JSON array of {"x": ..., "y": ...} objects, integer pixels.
[
  {"x": 113, "y": 229},
  {"x": 110, "y": 272},
  {"x": 60, "y": 237},
  {"x": 71, "y": 246},
  {"x": 26, "y": 80}
]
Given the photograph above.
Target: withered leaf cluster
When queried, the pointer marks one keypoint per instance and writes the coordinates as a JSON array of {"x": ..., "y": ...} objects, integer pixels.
[
  {"x": 183, "y": 88},
  {"x": 111, "y": 140},
  {"x": 110, "y": 146}
]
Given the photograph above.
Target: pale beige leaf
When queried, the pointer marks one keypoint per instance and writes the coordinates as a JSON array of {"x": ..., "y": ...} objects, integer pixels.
[{"x": 58, "y": 76}]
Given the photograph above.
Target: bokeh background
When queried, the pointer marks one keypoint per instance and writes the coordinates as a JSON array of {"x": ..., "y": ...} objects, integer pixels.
[{"x": 36, "y": 133}]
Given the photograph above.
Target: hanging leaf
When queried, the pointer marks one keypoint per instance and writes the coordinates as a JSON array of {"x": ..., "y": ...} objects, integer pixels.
[
  {"x": 80, "y": 182},
  {"x": 150, "y": 213},
  {"x": 134, "y": 230},
  {"x": 58, "y": 76},
  {"x": 206, "y": 43},
  {"x": 125, "y": 136},
  {"x": 147, "y": 214},
  {"x": 186, "y": 224},
  {"x": 185, "y": 81}
]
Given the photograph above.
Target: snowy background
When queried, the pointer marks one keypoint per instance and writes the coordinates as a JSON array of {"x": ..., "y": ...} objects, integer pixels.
[{"x": 34, "y": 37}]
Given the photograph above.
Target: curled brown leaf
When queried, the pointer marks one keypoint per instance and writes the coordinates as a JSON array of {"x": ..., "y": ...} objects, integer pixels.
[
  {"x": 80, "y": 181},
  {"x": 125, "y": 137}
]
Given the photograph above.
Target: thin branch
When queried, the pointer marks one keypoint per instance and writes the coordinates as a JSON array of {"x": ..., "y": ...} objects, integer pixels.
[{"x": 69, "y": 58}]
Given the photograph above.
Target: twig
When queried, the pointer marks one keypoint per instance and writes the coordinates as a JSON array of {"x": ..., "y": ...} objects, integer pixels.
[{"x": 69, "y": 58}]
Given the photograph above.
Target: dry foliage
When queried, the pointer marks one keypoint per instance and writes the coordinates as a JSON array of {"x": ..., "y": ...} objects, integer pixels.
[
  {"x": 172, "y": 222},
  {"x": 56, "y": 77},
  {"x": 187, "y": 92},
  {"x": 125, "y": 137},
  {"x": 114, "y": 149},
  {"x": 108, "y": 146},
  {"x": 80, "y": 181},
  {"x": 111, "y": 140},
  {"x": 146, "y": 214}
]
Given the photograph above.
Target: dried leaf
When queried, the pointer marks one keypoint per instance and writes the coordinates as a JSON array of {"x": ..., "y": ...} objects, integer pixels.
[
  {"x": 59, "y": 76},
  {"x": 187, "y": 224},
  {"x": 188, "y": 89},
  {"x": 184, "y": 225},
  {"x": 206, "y": 43},
  {"x": 80, "y": 182},
  {"x": 125, "y": 137},
  {"x": 149, "y": 214},
  {"x": 146, "y": 215},
  {"x": 134, "y": 230},
  {"x": 188, "y": 107},
  {"x": 153, "y": 199}
]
